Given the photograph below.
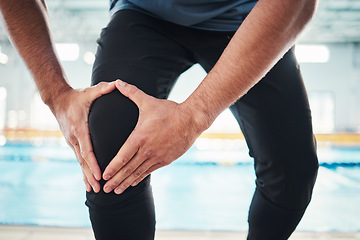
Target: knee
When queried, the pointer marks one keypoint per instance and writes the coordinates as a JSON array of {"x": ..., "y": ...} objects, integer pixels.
[
  {"x": 290, "y": 186},
  {"x": 299, "y": 181},
  {"x": 112, "y": 117}
]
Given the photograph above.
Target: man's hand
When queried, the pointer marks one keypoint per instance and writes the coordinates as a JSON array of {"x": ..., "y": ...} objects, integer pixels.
[
  {"x": 165, "y": 131},
  {"x": 72, "y": 112},
  {"x": 27, "y": 24}
]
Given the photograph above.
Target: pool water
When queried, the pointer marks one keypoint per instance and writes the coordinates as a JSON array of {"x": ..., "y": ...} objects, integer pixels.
[{"x": 209, "y": 188}]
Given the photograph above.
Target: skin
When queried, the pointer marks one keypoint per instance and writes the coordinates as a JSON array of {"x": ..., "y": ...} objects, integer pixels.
[
  {"x": 70, "y": 106},
  {"x": 266, "y": 34}
]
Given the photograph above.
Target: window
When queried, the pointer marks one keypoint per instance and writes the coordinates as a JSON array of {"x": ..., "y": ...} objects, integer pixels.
[{"x": 322, "y": 109}]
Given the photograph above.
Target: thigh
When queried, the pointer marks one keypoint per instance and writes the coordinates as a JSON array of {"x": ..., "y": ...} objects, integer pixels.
[
  {"x": 138, "y": 49},
  {"x": 275, "y": 118}
]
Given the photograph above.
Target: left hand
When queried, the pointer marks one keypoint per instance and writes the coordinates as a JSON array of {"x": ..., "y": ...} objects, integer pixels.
[
  {"x": 164, "y": 132},
  {"x": 71, "y": 110}
]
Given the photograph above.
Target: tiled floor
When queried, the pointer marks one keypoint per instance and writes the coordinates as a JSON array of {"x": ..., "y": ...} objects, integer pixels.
[{"x": 49, "y": 233}]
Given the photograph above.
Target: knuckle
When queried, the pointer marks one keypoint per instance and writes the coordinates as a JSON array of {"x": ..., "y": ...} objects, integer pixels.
[
  {"x": 128, "y": 171},
  {"x": 114, "y": 184},
  {"x": 163, "y": 163},
  {"x": 101, "y": 84},
  {"x": 86, "y": 150},
  {"x": 80, "y": 127},
  {"x": 91, "y": 181},
  {"x": 85, "y": 178},
  {"x": 132, "y": 89},
  {"x": 124, "y": 160},
  {"x": 87, "y": 105},
  {"x": 125, "y": 185},
  {"x": 82, "y": 163},
  {"x": 71, "y": 140},
  {"x": 80, "y": 132},
  {"x": 76, "y": 131},
  {"x": 85, "y": 153},
  {"x": 141, "y": 141},
  {"x": 148, "y": 153},
  {"x": 137, "y": 173}
]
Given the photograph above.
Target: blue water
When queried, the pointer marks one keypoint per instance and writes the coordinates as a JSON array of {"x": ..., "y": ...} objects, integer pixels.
[{"x": 209, "y": 188}]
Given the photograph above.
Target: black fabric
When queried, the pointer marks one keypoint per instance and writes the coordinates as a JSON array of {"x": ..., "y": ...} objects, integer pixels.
[
  {"x": 131, "y": 218},
  {"x": 274, "y": 117},
  {"x": 278, "y": 223}
]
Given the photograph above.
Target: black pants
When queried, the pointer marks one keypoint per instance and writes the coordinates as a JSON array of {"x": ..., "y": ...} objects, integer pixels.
[{"x": 274, "y": 117}]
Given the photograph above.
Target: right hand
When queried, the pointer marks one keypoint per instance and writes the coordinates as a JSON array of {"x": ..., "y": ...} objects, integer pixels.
[{"x": 72, "y": 111}]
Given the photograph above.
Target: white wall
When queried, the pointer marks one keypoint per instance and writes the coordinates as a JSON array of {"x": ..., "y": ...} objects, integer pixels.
[
  {"x": 22, "y": 103},
  {"x": 340, "y": 76}
]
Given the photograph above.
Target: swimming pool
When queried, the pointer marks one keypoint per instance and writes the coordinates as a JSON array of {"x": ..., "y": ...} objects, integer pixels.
[{"x": 209, "y": 188}]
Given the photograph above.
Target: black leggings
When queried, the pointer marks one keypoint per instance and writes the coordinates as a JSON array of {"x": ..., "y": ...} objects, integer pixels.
[{"x": 274, "y": 117}]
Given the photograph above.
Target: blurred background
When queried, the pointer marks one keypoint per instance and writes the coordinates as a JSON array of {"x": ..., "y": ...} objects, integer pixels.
[{"x": 210, "y": 187}]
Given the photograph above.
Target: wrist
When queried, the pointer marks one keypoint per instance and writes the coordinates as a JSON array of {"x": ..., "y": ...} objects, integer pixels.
[
  {"x": 52, "y": 96},
  {"x": 200, "y": 119}
]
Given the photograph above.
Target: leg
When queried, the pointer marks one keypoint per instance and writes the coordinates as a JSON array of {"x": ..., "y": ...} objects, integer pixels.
[
  {"x": 276, "y": 121},
  {"x": 132, "y": 49}
]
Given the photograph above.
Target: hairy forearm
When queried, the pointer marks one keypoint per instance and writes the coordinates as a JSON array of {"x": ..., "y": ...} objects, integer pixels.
[
  {"x": 27, "y": 24},
  {"x": 266, "y": 34}
]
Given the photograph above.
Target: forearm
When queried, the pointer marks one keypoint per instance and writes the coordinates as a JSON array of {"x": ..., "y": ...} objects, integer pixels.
[
  {"x": 27, "y": 24},
  {"x": 266, "y": 34}
]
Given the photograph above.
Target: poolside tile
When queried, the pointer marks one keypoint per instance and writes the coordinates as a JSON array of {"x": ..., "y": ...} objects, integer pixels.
[
  {"x": 198, "y": 235},
  {"x": 9, "y": 232},
  {"x": 13, "y": 235}
]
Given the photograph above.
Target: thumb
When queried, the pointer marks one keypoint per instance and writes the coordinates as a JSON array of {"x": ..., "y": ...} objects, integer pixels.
[
  {"x": 132, "y": 92},
  {"x": 101, "y": 89}
]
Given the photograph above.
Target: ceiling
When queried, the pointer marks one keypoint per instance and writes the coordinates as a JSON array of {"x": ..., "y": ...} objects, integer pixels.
[
  {"x": 335, "y": 21},
  {"x": 81, "y": 20}
]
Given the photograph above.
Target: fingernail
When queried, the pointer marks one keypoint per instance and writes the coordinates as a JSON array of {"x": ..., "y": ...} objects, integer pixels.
[
  {"x": 106, "y": 177},
  {"x": 107, "y": 189},
  {"x": 97, "y": 177},
  {"x": 121, "y": 83},
  {"x": 118, "y": 190},
  {"x": 134, "y": 184}
]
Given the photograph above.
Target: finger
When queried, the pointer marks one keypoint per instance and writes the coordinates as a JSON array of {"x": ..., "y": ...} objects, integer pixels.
[
  {"x": 145, "y": 174},
  {"x": 141, "y": 172},
  {"x": 89, "y": 179},
  {"x": 125, "y": 154},
  {"x": 132, "y": 92},
  {"x": 86, "y": 151},
  {"x": 121, "y": 175},
  {"x": 85, "y": 168},
  {"x": 128, "y": 174},
  {"x": 87, "y": 184},
  {"x": 100, "y": 89}
]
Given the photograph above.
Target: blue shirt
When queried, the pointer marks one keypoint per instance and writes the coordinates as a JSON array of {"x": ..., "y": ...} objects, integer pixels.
[{"x": 217, "y": 15}]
